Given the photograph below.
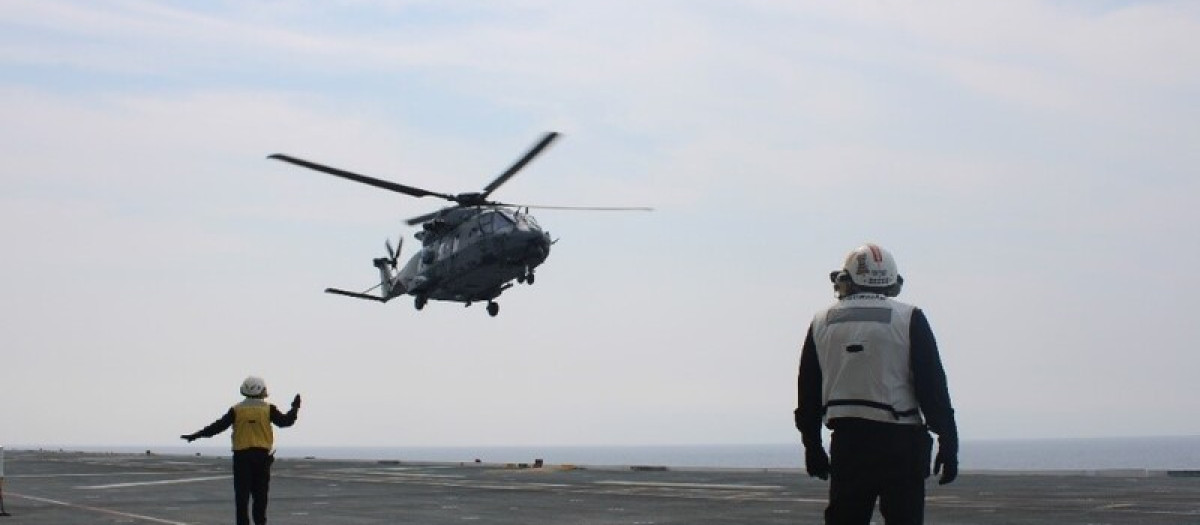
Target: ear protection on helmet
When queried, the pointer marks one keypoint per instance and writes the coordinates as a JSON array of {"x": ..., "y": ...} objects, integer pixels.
[
  {"x": 894, "y": 289},
  {"x": 842, "y": 277},
  {"x": 839, "y": 276}
]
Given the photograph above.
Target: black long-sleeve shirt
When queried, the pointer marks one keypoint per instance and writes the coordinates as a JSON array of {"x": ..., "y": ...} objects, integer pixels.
[
  {"x": 278, "y": 418},
  {"x": 929, "y": 381}
]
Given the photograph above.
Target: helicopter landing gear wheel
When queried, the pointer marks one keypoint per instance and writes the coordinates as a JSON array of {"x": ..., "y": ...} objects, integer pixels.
[
  {"x": 420, "y": 301},
  {"x": 527, "y": 277},
  {"x": 493, "y": 309}
]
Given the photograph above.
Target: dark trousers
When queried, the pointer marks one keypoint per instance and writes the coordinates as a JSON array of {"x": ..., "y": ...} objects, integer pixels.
[
  {"x": 870, "y": 460},
  {"x": 251, "y": 478}
]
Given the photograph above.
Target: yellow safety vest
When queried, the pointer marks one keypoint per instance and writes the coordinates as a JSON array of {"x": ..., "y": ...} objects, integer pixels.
[{"x": 252, "y": 425}]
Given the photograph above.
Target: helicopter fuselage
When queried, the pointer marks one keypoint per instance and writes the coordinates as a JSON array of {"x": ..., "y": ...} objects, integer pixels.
[
  {"x": 471, "y": 251},
  {"x": 472, "y": 254}
]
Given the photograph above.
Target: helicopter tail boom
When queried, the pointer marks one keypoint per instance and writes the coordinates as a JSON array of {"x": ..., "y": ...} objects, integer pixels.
[
  {"x": 391, "y": 288},
  {"x": 356, "y": 295}
]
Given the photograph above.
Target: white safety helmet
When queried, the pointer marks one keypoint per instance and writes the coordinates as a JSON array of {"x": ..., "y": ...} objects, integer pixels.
[
  {"x": 871, "y": 267},
  {"x": 254, "y": 387}
]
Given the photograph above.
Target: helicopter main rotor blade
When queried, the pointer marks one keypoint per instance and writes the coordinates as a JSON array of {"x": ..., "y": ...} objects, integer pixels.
[
  {"x": 378, "y": 183},
  {"x": 421, "y": 218},
  {"x": 580, "y": 208},
  {"x": 520, "y": 163}
]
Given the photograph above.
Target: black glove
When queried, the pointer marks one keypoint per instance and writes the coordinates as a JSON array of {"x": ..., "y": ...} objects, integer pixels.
[
  {"x": 189, "y": 437},
  {"x": 946, "y": 461},
  {"x": 296, "y": 401},
  {"x": 816, "y": 462}
]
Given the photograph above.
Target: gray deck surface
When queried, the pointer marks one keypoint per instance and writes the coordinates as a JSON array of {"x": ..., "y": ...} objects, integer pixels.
[{"x": 65, "y": 488}]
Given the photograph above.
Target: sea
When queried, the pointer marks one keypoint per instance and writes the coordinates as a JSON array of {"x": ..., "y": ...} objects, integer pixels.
[{"x": 1074, "y": 454}]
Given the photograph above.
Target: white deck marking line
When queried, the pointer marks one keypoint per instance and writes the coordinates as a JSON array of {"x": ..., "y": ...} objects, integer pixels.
[
  {"x": 391, "y": 474},
  {"x": 82, "y": 475},
  {"x": 99, "y": 510},
  {"x": 690, "y": 485},
  {"x": 157, "y": 482}
]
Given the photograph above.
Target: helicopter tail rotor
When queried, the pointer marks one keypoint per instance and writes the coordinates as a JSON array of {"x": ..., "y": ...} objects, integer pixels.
[
  {"x": 394, "y": 254},
  {"x": 390, "y": 286}
]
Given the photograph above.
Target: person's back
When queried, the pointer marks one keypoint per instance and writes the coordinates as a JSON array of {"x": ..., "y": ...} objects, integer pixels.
[
  {"x": 870, "y": 370},
  {"x": 252, "y": 425},
  {"x": 862, "y": 344},
  {"x": 253, "y": 442}
]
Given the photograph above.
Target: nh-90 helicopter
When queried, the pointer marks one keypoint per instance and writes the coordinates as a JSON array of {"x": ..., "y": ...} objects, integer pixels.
[{"x": 470, "y": 251}]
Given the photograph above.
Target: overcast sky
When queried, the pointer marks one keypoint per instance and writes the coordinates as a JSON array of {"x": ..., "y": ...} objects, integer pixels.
[{"x": 1031, "y": 165}]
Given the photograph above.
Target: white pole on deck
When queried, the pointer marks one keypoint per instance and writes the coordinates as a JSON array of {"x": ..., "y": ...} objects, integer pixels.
[{"x": 2, "y": 512}]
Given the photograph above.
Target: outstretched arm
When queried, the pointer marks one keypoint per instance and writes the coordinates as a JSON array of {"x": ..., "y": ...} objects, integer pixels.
[{"x": 213, "y": 429}]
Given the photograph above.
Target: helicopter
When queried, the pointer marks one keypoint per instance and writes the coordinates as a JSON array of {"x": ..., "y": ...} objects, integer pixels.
[{"x": 471, "y": 251}]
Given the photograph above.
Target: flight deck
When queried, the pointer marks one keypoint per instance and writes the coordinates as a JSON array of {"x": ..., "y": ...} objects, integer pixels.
[{"x": 75, "y": 488}]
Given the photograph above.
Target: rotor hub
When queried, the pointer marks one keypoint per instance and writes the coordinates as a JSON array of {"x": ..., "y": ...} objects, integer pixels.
[{"x": 473, "y": 198}]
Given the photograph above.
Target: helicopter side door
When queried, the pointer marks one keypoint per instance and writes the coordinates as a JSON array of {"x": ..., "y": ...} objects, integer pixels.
[{"x": 480, "y": 253}]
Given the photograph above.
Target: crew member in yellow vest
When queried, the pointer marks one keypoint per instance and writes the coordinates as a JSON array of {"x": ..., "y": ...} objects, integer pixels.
[{"x": 253, "y": 446}]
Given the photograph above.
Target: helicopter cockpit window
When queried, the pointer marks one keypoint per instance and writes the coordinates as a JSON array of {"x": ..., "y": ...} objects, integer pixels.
[
  {"x": 529, "y": 220},
  {"x": 485, "y": 223},
  {"x": 504, "y": 223},
  {"x": 495, "y": 222},
  {"x": 449, "y": 244}
]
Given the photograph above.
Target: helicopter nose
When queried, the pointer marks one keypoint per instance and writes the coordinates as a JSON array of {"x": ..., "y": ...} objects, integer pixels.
[{"x": 536, "y": 246}]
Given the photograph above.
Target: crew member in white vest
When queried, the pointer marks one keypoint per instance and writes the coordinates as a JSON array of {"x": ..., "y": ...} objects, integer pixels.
[
  {"x": 253, "y": 446},
  {"x": 871, "y": 371}
]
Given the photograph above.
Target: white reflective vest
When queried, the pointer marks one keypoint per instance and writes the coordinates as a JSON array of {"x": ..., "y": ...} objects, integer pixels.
[{"x": 862, "y": 344}]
